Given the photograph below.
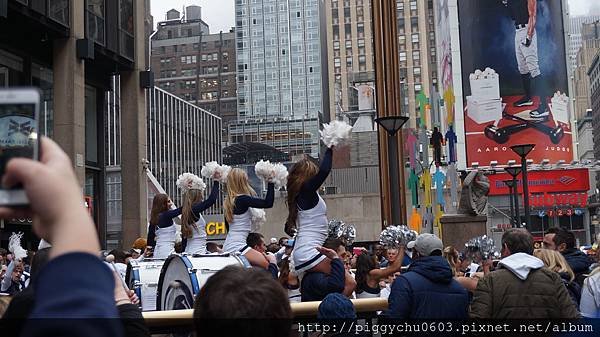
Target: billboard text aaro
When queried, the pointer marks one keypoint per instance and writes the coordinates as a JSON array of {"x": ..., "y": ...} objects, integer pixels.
[{"x": 514, "y": 77}]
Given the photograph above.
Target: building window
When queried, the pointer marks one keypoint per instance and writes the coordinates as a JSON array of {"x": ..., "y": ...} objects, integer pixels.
[
  {"x": 415, "y": 38},
  {"x": 95, "y": 20},
  {"x": 126, "y": 31},
  {"x": 58, "y": 10}
]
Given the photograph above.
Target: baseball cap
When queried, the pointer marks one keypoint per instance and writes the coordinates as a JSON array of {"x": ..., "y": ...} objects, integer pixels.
[
  {"x": 426, "y": 244},
  {"x": 410, "y": 245}
]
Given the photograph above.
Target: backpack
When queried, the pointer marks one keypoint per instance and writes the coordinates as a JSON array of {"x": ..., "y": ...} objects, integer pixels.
[{"x": 574, "y": 290}]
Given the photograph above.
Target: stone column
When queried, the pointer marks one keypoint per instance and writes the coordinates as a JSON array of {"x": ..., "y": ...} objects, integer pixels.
[
  {"x": 133, "y": 141},
  {"x": 69, "y": 92}
]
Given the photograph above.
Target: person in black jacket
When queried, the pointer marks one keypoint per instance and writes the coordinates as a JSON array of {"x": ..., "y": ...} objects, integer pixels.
[
  {"x": 564, "y": 241},
  {"x": 316, "y": 285},
  {"x": 427, "y": 290}
]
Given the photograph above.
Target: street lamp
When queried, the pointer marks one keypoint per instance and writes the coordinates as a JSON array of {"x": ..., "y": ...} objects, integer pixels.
[
  {"x": 510, "y": 184},
  {"x": 514, "y": 191},
  {"x": 392, "y": 124},
  {"x": 522, "y": 151}
]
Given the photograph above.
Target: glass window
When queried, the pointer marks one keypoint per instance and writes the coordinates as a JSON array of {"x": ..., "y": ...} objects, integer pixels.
[
  {"x": 126, "y": 31},
  {"x": 58, "y": 10},
  {"x": 91, "y": 126},
  {"x": 95, "y": 20}
]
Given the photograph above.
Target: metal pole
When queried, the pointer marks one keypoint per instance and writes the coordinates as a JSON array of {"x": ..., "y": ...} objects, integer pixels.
[
  {"x": 394, "y": 182},
  {"x": 515, "y": 196},
  {"x": 525, "y": 191},
  {"x": 512, "y": 207}
]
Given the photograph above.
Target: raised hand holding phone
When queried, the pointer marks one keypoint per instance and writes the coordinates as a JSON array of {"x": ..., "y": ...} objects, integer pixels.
[{"x": 19, "y": 120}]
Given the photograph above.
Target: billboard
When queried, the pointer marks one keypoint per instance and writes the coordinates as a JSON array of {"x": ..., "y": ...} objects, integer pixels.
[{"x": 515, "y": 84}]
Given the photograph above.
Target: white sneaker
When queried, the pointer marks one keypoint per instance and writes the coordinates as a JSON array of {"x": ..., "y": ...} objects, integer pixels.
[{"x": 537, "y": 114}]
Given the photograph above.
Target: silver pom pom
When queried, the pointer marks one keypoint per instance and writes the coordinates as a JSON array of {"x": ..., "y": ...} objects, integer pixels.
[
  {"x": 335, "y": 227},
  {"x": 340, "y": 230},
  {"x": 396, "y": 236},
  {"x": 481, "y": 248}
]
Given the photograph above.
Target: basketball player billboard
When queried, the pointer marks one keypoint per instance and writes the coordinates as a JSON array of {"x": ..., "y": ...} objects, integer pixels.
[{"x": 514, "y": 75}]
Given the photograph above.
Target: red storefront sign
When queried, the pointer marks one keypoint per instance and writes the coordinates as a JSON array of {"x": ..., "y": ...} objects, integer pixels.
[{"x": 548, "y": 188}]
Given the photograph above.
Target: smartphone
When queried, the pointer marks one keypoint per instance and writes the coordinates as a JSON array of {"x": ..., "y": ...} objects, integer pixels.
[{"x": 19, "y": 120}]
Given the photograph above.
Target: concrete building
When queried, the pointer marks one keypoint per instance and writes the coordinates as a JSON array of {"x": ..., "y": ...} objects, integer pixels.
[
  {"x": 193, "y": 64},
  {"x": 594, "y": 74},
  {"x": 417, "y": 52},
  {"x": 71, "y": 51},
  {"x": 590, "y": 43},
  {"x": 575, "y": 37},
  {"x": 281, "y": 66},
  {"x": 350, "y": 50}
]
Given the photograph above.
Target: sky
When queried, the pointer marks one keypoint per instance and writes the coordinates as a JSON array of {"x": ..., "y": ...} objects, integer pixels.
[{"x": 219, "y": 14}]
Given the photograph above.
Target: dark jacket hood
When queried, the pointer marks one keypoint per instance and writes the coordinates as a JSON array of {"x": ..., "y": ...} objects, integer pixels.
[
  {"x": 579, "y": 262},
  {"x": 434, "y": 268}
]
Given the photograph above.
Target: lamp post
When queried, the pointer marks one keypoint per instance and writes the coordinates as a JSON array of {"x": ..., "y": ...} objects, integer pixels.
[
  {"x": 514, "y": 191},
  {"x": 510, "y": 184},
  {"x": 522, "y": 151},
  {"x": 392, "y": 124}
]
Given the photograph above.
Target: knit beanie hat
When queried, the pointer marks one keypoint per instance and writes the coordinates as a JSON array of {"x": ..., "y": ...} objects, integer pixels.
[{"x": 336, "y": 306}]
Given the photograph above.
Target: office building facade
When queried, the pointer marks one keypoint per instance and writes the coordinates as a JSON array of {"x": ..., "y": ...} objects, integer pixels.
[
  {"x": 70, "y": 51},
  {"x": 281, "y": 65},
  {"x": 594, "y": 74},
  {"x": 350, "y": 51},
  {"x": 417, "y": 53},
  {"x": 195, "y": 65},
  {"x": 575, "y": 37},
  {"x": 590, "y": 44}
]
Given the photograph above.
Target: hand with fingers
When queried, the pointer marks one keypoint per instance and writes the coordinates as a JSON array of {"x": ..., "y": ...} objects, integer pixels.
[
  {"x": 329, "y": 253},
  {"x": 55, "y": 200}
]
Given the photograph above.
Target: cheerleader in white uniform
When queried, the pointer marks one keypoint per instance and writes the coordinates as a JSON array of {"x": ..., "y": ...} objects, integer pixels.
[
  {"x": 193, "y": 225},
  {"x": 161, "y": 230},
  {"x": 238, "y": 217},
  {"x": 308, "y": 213}
]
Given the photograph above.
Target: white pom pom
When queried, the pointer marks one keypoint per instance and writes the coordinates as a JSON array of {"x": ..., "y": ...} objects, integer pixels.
[
  {"x": 14, "y": 246},
  {"x": 225, "y": 169},
  {"x": 478, "y": 73},
  {"x": 258, "y": 217},
  {"x": 265, "y": 170},
  {"x": 336, "y": 133},
  {"x": 472, "y": 77},
  {"x": 281, "y": 175},
  {"x": 209, "y": 170},
  {"x": 189, "y": 181}
]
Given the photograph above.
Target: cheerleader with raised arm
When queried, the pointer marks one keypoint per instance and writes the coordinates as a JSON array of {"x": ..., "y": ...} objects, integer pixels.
[
  {"x": 307, "y": 210},
  {"x": 238, "y": 205},
  {"x": 193, "y": 225},
  {"x": 162, "y": 232}
]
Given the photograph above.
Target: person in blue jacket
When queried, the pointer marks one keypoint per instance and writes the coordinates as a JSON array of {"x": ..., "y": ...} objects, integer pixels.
[
  {"x": 82, "y": 300},
  {"x": 427, "y": 290}
]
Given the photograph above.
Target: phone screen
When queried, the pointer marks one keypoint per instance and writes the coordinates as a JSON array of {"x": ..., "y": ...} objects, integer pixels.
[{"x": 18, "y": 133}]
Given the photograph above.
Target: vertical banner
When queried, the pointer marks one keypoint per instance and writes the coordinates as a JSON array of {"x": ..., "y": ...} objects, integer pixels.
[{"x": 514, "y": 76}]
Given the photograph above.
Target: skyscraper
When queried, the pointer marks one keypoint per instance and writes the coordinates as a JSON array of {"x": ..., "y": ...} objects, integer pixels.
[
  {"x": 417, "y": 52},
  {"x": 575, "y": 38},
  {"x": 350, "y": 51},
  {"x": 195, "y": 65},
  {"x": 281, "y": 72}
]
